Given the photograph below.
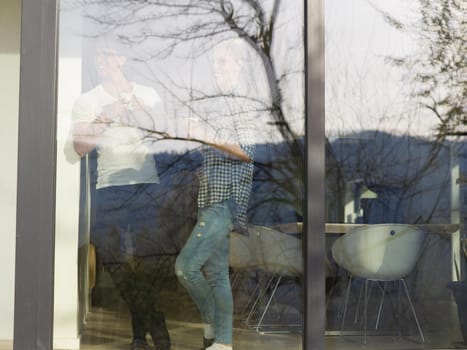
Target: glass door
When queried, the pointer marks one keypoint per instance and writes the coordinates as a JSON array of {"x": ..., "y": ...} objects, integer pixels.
[
  {"x": 179, "y": 194},
  {"x": 395, "y": 174}
]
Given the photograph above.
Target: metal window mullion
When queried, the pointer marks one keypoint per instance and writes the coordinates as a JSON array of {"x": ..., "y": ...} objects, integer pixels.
[
  {"x": 35, "y": 223},
  {"x": 314, "y": 237}
]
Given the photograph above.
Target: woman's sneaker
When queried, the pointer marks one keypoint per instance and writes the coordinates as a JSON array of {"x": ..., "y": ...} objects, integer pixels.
[
  {"x": 217, "y": 346},
  {"x": 207, "y": 342}
]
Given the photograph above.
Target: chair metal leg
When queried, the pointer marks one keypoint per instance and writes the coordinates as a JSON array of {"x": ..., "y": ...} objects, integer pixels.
[
  {"x": 402, "y": 283},
  {"x": 251, "y": 299},
  {"x": 258, "y": 326},
  {"x": 413, "y": 310},
  {"x": 399, "y": 306},
  {"x": 380, "y": 306},
  {"x": 235, "y": 279},
  {"x": 358, "y": 304},
  {"x": 365, "y": 315},
  {"x": 329, "y": 295},
  {"x": 259, "y": 298},
  {"x": 370, "y": 290},
  {"x": 346, "y": 303}
]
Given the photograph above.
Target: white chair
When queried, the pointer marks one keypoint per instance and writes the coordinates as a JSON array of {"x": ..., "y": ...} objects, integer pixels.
[
  {"x": 383, "y": 252},
  {"x": 279, "y": 255},
  {"x": 242, "y": 256}
]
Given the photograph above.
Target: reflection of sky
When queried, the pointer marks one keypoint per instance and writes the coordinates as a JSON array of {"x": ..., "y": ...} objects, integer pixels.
[
  {"x": 362, "y": 91},
  {"x": 184, "y": 75}
]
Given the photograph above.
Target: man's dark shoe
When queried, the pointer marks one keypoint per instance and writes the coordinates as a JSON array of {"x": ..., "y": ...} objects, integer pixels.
[
  {"x": 158, "y": 331},
  {"x": 207, "y": 342},
  {"x": 163, "y": 346},
  {"x": 139, "y": 344}
]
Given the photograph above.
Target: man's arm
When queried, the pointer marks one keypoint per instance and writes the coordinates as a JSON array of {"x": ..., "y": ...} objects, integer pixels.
[
  {"x": 146, "y": 112},
  {"x": 87, "y": 135},
  {"x": 232, "y": 149},
  {"x": 224, "y": 141}
]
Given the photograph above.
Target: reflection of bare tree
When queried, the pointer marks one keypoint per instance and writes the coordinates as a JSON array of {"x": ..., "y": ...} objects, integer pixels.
[
  {"x": 206, "y": 23},
  {"x": 201, "y": 25},
  {"x": 435, "y": 73},
  {"x": 438, "y": 68}
]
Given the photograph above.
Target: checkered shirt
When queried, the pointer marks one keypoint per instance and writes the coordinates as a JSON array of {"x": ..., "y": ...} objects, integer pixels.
[{"x": 223, "y": 177}]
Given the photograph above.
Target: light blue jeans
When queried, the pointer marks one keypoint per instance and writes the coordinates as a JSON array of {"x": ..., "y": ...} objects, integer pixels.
[{"x": 207, "y": 248}]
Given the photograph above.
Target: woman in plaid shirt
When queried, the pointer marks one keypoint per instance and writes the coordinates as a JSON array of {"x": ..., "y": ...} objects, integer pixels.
[{"x": 225, "y": 186}]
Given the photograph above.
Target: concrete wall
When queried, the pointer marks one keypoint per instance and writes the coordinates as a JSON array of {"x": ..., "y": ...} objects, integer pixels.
[{"x": 10, "y": 12}]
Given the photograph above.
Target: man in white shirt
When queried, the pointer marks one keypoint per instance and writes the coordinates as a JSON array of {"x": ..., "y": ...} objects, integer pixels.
[{"x": 121, "y": 119}]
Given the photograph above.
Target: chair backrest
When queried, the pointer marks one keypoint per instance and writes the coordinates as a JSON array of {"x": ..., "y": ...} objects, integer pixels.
[
  {"x": 243, "y": 253},
  {"x": 278, "y": 253},
  {"x": 379, "y": 252}
]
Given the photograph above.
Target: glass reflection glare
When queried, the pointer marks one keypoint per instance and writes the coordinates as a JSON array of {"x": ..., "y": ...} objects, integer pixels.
[{"x": 187, "y": 109}]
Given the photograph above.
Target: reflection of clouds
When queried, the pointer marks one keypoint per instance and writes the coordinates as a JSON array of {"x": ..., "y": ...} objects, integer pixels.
[
  {"x": 188, "y": 76},
  {"x": 362, "y": 90},
  {"x": 227, "y": 66}
]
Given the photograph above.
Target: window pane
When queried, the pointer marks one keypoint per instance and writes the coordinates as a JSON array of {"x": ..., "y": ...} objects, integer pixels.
[
  {"x": 10, "y": 14},
  {"x": 179, "y": 184},
  {"x": 396, "y": 166}
]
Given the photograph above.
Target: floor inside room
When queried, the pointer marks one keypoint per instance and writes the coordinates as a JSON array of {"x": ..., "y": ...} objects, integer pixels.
[
  {"x": 107, "y": 330},
  {"x": 107, "y": 325},
  {"x": 110, "y": 330}
]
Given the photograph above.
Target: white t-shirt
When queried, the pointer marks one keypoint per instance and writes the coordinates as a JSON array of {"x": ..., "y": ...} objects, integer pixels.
[{"x": 124, "y": 156}]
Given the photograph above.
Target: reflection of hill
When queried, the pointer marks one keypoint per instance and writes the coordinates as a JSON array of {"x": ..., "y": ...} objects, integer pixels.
[
  {"x": 278, "y": 190},
  {"x": 411, "y": 176},
  {"x": 272, "y": 201}
]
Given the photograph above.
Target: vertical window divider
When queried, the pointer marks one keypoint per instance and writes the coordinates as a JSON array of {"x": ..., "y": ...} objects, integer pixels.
[
  {"x": 35, "y": 223},
  {"x": 314, "y": 236}
]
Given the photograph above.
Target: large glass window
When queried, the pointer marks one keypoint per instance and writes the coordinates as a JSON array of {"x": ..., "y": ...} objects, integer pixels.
[
  {"x": 396, "y": 166},
  {"x": 180, "y": 153}
]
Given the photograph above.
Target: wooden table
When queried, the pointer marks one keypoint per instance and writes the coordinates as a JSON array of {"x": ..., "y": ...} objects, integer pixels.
[
  {"x": 336, "y": 228},
  {"x": 440, "y": 229}
]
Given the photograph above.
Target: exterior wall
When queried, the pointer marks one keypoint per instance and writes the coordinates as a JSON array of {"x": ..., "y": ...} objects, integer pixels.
[
  {"x": 10, "y": 19},
  {"x": 66, "y": 327}
]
